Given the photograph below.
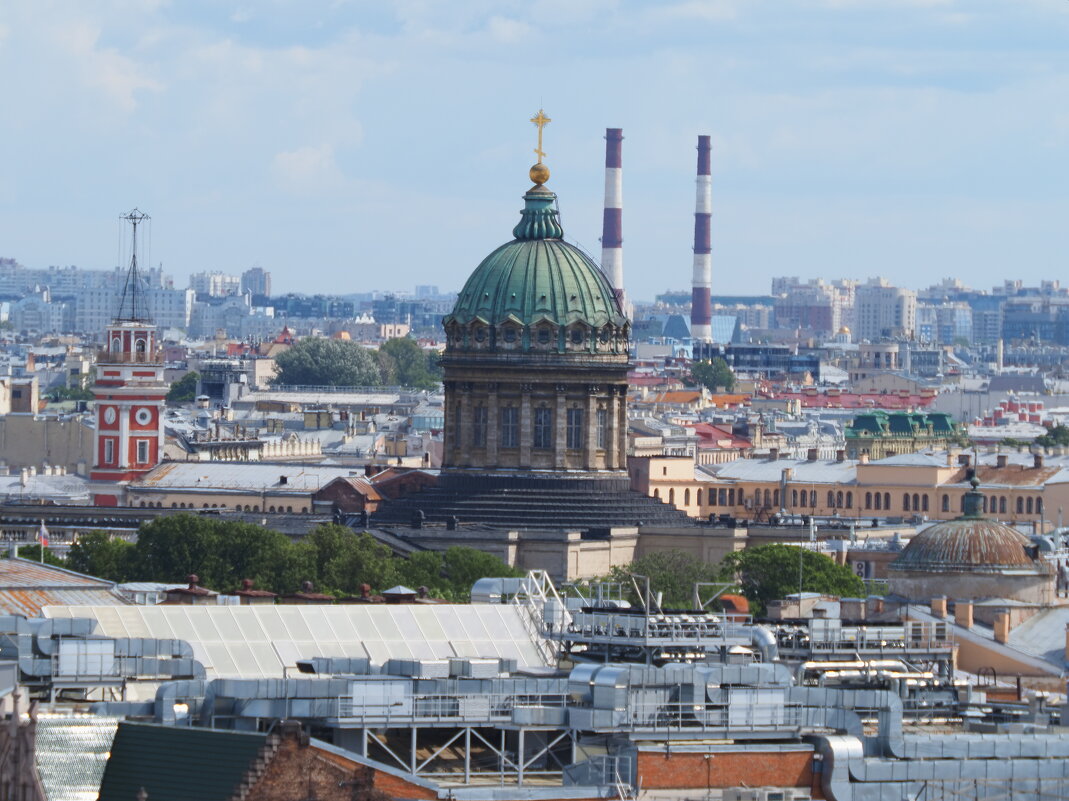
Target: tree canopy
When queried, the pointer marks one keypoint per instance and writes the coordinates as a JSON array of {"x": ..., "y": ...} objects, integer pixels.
[
  {"x": 713, "y": 375},
  {"x": 223, "y": 553},
  {"x": 1058, "y": 435},
  {"x": 327, "y": 362},
  {"x": 673, "y": 573},
  {"x": 770, "y": 572},
  {"x": 403, "y": 362},
  {"x": 184, "y": 390}
]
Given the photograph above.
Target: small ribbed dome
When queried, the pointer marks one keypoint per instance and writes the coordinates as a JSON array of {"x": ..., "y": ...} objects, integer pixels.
[
  {"x": 968, "y": 544},
  {"x": 539, "y": 279}
]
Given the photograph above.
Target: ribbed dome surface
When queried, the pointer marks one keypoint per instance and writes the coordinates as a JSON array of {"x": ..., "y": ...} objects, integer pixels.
[
  {"x": 537, "y": 276},
  {"x": 967, "y": 544}
]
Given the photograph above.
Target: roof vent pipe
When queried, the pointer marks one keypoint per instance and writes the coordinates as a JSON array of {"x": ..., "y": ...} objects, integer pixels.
[{"x": 1037, "y": 460}]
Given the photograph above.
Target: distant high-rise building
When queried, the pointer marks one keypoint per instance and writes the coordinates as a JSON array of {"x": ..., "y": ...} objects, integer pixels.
[
  {"x": 256, "y": 281},
  {"x": 214, "y": 284},
  {"x": 882, "y": 310}
]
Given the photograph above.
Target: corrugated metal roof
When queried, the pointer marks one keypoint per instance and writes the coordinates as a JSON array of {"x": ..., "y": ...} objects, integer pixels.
[
  {"x": 816, "y": 472},
  {"x": 70, "y": 754},
  {"x": 261, "y": 641},
  {"x": 25, "y": 573},
  {"x": 242, "y": 476},
  {"x": 26, "y": 587}
]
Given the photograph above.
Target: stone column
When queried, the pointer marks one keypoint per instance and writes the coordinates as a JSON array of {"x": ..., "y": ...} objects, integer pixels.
[
  {"x": 613, "y": 458},
  {"x": 492, "y": 427},
  {"x": 465, "y": 425},
  {"x": 562, "y": 428},
  {"x": 526, "y": 425},
  {"x": 590, "y": 449},
  {"x": 620, "y": 441}
]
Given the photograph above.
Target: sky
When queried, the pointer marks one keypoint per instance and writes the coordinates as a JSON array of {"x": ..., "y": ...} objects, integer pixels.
[{"x": 379, "y": 144}]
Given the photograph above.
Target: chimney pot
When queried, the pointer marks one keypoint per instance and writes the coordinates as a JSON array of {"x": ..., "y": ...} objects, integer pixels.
[
  {"x": 1002, "y": 626},
  {"x": 812, "y": 455},
  {"x": 939, "y": 606},
  {"x": 773, "y": 454},
  {"x": 1037, "y": 460},
  {"x": 1002, "y": 460},
  {"x": 963, "y": 614},
  {"x": 840, "y": 455}
]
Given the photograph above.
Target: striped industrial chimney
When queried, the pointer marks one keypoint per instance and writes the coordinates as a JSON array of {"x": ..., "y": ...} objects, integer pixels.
[
  {"x": 701, "y": 311},
  {"x": 612, "y": 231}
]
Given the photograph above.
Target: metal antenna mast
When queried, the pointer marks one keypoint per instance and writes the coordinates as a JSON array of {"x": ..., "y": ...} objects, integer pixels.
[{"x": 132, "y": 305}]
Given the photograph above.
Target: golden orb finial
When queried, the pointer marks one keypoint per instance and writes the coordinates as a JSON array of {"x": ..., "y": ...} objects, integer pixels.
[{"x": 539, "y": 173}]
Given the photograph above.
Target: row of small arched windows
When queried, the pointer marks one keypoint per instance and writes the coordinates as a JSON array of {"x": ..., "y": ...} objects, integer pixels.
[
  {"x": 239, "y": 507},
  {"x": 877, "y": 501}
]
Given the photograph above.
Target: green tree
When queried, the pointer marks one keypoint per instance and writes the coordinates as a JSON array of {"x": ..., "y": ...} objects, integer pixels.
[
  {"x": 1058, "y": 435},
  {"x": 408, "y": 363},
  {"x": 771, "y": 572},
  {"x": 60, "y": 394},
  {"x": 464, "y": 566},
  {"x": 33, "y": 554},
  {"x": 184, "y": 390},
  {"x": 99, "y": 554},
  {"x": 672, "y": 573},
  {"x": 345, "y": 560},
  {"x": 327, "y": 362},
  {"x": 713, "y": 375},
  {"x": 170, "y": 548}
]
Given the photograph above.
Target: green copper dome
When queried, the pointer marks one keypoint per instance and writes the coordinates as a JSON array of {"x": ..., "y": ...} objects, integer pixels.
[{"x": 537, "y": 292}]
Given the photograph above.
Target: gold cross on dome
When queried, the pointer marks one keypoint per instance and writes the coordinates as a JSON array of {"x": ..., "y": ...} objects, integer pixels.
[{"x": 541, "y": 120}]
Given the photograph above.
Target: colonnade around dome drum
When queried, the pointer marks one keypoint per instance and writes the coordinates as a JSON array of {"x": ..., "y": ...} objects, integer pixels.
[{"x": 558, "y": 423}]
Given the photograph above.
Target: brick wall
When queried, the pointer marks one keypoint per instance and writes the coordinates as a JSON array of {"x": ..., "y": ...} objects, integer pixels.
[
  {"x": 304, "y": 771},
  {"x": 754, "y": 768}
]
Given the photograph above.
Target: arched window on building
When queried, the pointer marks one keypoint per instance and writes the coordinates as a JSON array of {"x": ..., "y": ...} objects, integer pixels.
[
  {"x": 1039, "y": 506},
  {"x": 1028, "y": 506},
  {"x": 657, "y": 494},
  {"x": 961, "y": 503},
  {"x": 813, "y": 498},
  {"x": 905, "y": 502},
  {"x": 868, "y": 500},
  {"x": 775, "y": 498},
  {"x": 722, "y": 496},
  {"x": 672, "y": 496},
  {"x": 887, "y": 501},
  {"x": 839, "y": 499},
  {"x": 686, "y": 497},
  {"x": 849, "y": 500},
  {"x": 1020, "y": 506},
  {"x": 879, "y": 502},
  {"x": 916, "y": 502},
  {"x": 768, "y": 499},
  {"x": 794, "y": 498},
  {"x": 946, "y": 502},
  {"x": 700, "y": 497},
  {"x": 924, "y": 503},
  {"x": 831, "y": 499}
]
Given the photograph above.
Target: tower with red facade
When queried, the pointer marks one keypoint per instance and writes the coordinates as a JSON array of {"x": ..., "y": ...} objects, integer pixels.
[{"x": 130, "y": 389}]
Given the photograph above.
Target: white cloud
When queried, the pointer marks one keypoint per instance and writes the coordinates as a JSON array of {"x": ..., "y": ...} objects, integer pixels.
[
  {"x": 105, "y": 69},
  {"x": 307, "y": 170}
]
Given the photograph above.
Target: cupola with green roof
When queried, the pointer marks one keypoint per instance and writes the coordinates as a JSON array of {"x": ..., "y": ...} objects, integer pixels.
[{"x": 536, "y": 358}]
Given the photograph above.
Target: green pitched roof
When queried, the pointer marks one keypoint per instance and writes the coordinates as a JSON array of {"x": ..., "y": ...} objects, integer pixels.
[
  {"x": 537, "y": 276},
  {"x": 177, "y": 763}
]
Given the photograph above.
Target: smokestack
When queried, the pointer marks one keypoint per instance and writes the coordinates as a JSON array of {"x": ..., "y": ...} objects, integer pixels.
[
  {"x": 701, "y": 312},
  {"x": 612, "y": 229}
]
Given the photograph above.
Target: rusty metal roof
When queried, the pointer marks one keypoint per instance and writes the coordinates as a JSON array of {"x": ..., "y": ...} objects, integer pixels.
[
  {"x": 27, "y": 586},
  {"x": 966, "y": 545}
]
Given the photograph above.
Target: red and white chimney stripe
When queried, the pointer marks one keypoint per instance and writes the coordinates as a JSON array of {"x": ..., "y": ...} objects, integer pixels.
[
  {"x": 701, "y": 313},
  {"x": 612, "y": 232}
]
